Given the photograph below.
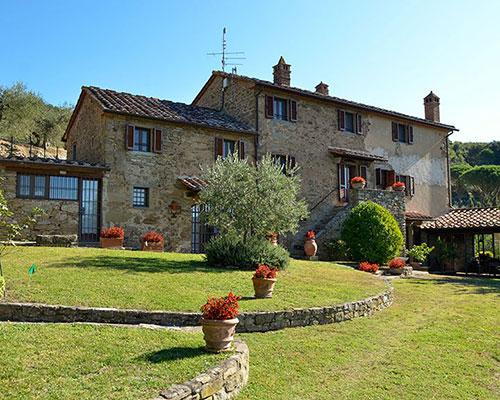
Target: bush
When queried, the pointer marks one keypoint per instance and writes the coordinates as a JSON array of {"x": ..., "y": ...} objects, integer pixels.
[
  {"x": 2, "y": 285},
  {"x": 338, "y": 251},
  {"x": 227, "y": 250},
  {"x": 372, "y": 234},
  {"x": 420, "y": 252}
]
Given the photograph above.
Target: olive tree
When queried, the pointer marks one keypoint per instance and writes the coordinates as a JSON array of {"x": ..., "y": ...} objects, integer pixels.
[{"x": 244, "y": 199}]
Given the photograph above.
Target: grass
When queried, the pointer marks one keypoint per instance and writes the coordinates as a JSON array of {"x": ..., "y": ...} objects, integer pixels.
[
  {"x": 56, "y": 361},
  {"x": 168, "y": 281},
  {"x": 439, "y": 340}
]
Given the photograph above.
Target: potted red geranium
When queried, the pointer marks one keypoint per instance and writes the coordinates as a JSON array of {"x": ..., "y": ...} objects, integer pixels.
[
  {"x": 152, "y": 241},
  {"x": 399, "y": 186},
  {"x": 367, "y": 267},
  {"x": 263, "y": 280},
  {"x": 219, "y": 322},
  {"x": 358, "y": 182},
  {"x": 396, "y": 266},
  {"x": 111, "y": 238},
  {"x": 310, "y": 246}
]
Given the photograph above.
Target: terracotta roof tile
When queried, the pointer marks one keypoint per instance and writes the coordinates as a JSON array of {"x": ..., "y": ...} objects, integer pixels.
[
  {"x": 164, "y": 110},
  {"x": 416, "y": 215},
  {"x": 466, "y": 218},
  {"x": 192, "y": 183},
  {"x": 363, "y": 155}
]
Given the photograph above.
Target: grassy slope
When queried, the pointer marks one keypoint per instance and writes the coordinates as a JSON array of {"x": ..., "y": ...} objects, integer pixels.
[
  {"x": 85, "y": 361},
  {"x": 126, "y": 279},
  {"x": 439, "y": 340}
]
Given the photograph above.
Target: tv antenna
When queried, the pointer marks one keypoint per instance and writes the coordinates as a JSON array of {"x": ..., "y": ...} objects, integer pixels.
[{"x": 225, "y": 54}]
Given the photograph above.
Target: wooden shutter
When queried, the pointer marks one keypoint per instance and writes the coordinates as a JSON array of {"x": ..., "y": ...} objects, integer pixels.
[
  {"x": 395, "y": 131},
  {"x": 269, "y": 107},
  {"x": 391, "y": 178},
  {"x": 241, "y": 149},
  {"x": 341, "y": 120},
  {"x": 410, "y": 134},
  {"x": 359, "y": 124},
  {"x": 129, "y": 137},
  {"x": 219, "y": 147},
  {"x": 293, "y": 110},
  {"x": 378, "y": 177},
  {"x": 412, "y": 186},
  {"x": 157, "y": 140},
  {"x": 363, "y": 172},
  {"x": 342, "y": 183}
]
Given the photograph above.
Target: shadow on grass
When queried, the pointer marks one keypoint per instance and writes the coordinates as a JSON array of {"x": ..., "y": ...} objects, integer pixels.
[
  {"x": 463, "y": 284},
  {"x": 172, "y": 354},
  {"x": 139, "y": 264}
]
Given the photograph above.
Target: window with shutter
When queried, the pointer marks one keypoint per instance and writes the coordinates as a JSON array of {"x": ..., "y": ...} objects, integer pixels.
[
  {"x": 157, "y": 140},
  {"x": 269, "y": 107},
  {"x": 341, "y": 120},
  {"x": 391, "y": 178},
  {"x": 359, "y": 124},
  {"x": 219, "y": 147},
  {"x": 129, "y": 137},
  {"x": 293, "y": 110}
]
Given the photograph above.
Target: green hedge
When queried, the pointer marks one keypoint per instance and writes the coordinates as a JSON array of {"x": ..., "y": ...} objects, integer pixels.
[
  {"x": 372, "y": 234},
  {"x": 230, "y": 251}
]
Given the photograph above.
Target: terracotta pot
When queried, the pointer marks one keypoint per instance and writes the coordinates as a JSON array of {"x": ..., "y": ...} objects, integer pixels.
[
  {"x": 310, "y": 247},
  {"x": 111, "y": 243},
  {"x": 152, "y": 246},
  {"x": 398, "y": 188},
  {"x": 358, "y": 185},
  {"x": 396, "y": 271},
  {"x": 263, "y": 287},
  {"x": 219, "y": 333}
]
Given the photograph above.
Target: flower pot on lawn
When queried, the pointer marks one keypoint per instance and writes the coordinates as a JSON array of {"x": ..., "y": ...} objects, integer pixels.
[
  {"x": 152, "y": 246},
  {"x": 219, "y": 333},
  {"x": 310, "y": 247},
  {"x": 396, "y": 271},
  {"x": 111, "y": 243},
  {"x": 263, "y": 287}
]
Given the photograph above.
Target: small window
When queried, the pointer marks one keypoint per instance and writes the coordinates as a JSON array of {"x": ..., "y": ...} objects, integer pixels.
[
  {"x": 140, "y": 197},
  {"x": 349, "y": 122},
  {"x": 228, "y": 148},
  {"x": 280, "y": 109},
  {"x": 402, "y": 133},
  {"x": 142, "y": 139},
  {"x": 31, "y": 186}
]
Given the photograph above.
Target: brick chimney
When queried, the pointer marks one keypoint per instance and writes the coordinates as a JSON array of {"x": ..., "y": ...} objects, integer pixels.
[
  {"x": 431, "y": 105},
  {"x": 322, "y": 88},
  {"x": 281, "y": 72}
]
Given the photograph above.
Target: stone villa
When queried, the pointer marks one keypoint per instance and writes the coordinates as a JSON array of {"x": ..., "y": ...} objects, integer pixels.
[{"x": 134, "y": 161}]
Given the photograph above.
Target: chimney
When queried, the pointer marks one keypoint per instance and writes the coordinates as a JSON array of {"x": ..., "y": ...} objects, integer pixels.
[
  {"x": 282, "y": 73},
  {"x": 322, "y": 88},
  {"x": 431, "y": 105}
]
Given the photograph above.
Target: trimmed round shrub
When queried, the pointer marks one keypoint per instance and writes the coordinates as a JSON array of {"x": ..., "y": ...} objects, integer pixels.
[
  {"x": 2, "y": 285},
  {"x": 231, "y": 251},
  {"x": 372, "y": 234}
]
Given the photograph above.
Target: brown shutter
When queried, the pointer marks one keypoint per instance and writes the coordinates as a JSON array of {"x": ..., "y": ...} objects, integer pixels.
[
  {"x": 129, "y": 137},
  {"x": 219, "y": 147},
  {"x": 391, "y": 178},
  {"x": 269, "y": 107},
  {"x": 378, "y": 177},
  {"x": 412, "y": 184},
  {"x": 395, "y": 131},
  {"x": 342, "y": 183},
  {"x": 241, "y": 149},
  {"x": 293, "y": 110},
  {"x": 157, "y": 140},
  {"x": 363, "y": 172},
  {"x": 410, "y": 134},
  {"x": 341, "y": 120},
  {"x": 359, "y": 124}
]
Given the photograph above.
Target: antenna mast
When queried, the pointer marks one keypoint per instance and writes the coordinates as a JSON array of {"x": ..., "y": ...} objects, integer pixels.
[{"x": 225, "y": 54}]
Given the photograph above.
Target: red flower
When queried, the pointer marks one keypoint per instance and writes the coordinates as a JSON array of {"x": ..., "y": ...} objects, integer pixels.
[
  {"x": 367, "y": 267},
  {"x": 223, "y": 308},
  {"x": 265, "y": 272},
  {"x": 398, "y": 184},
  {"x": 396, "y": 263},
  {"x": 310, "y": 235},
  {"x": 152, "y": 237},
  {"x": 357, "y": 179},
  {"x": 113, "y": 232}
]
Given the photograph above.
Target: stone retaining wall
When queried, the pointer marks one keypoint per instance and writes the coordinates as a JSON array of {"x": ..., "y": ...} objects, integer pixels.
[
  {"x": 224, "y": 381},
  {"x": 258, "y": 321}
]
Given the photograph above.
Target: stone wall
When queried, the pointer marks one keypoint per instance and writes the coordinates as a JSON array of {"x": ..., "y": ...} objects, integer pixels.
[
  {"x": 259, "y": 321},
  {"x": 221, "y": 382},
  {"x": 61, "y": 216}
]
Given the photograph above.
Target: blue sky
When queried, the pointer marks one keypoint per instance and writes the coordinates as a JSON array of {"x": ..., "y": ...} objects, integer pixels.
[{"x": 384, "y": 53}]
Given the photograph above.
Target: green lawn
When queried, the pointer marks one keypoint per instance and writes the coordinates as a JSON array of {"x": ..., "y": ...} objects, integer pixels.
[
  {"x": 168, "y": 281},
  {"x": 47, "y": 361},
  {"x": 439, "y": 340}
]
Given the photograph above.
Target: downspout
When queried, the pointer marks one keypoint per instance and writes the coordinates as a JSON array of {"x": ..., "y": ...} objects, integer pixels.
[
  {"x": 450, "y": 201},
  {"x": 256, "y": 142}
]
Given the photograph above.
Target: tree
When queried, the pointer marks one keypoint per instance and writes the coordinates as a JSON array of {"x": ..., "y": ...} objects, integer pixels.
[
  {"x": 485, "y": 179},
  {"x": 245, "y": 200}
]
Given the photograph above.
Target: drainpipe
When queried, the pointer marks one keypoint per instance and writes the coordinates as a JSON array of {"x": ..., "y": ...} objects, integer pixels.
[
  {"x": 450, "y": 201},
  {"x": 256, "y": 143}
]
